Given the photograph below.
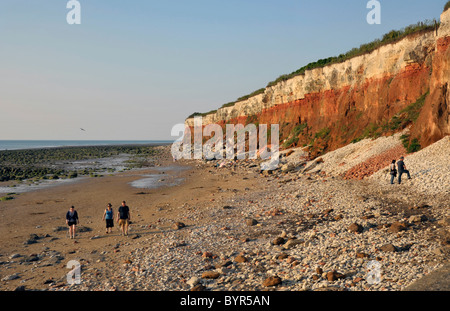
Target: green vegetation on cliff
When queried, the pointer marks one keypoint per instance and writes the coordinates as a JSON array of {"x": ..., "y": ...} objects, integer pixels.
[
  {"x": 447, "y": 6},
  {"x": 391, "y": 37},
  {"x": 398, "y": 122}
]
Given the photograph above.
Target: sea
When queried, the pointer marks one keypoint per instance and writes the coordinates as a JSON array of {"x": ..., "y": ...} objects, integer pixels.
[
  {"x": 164, "y": 176},
  {"x": 37, "y": 144}
]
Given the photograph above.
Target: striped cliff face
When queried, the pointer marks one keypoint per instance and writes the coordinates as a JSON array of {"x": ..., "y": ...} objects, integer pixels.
[
  {"x": 434, "y": 120},
  {"x": 331, "y": 106}
]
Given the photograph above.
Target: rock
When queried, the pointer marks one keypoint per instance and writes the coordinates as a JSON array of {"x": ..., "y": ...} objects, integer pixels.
[
  {"x": 29, "y": 241},
  {"x": 338, "y": 217},
  {"x": 197, "y": 288},
  {"x": 361, "y": 255},
  {"x": 354, "y": 227},
  {"x": 210, "y": 275},
  {"x": 287, "y": 167},
  {"x": 224, "y": 263},
  {"x": 60, "y": 228},
  {"x": 83, "y": 229},
  {"x": 272, "y": 281},
  {"x": 388, "y": 248},
  {"x": 32, "y": 239},
  {"x": 417, "y": 218},
  {"x": 207, "y": 255},
  {"x": 420, "y": 206},
  {"x": 397, "y": 227},
  {"x": 367, "y": 217},
  {"x": 11, "y": 277},
  {"x": 13, "y": 256},
  {"x": 251, "y": 222},
  {"x": 278, "y": 241},
  {"x": 333, "y": 276},
  {"x": 32, "y": 258},
  {"x": 292, "y": 243},
  {"x": 240, "y": 259},
  {"x": 193, "y": 281},
  {"x": 178, "y": 225},
  {"x": 267, "y": 172},
  {"x": 282, "y": 256}
]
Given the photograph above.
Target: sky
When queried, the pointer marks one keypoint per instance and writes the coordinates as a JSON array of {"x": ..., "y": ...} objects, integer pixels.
[{"x": 131, "y": 70}]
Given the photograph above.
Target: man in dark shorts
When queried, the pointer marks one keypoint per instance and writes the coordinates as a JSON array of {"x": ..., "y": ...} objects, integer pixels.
[
  {"x": 402, "y": 170},
  {"x": 124, "y": 217},
  {"x": 72, "y": 220}
]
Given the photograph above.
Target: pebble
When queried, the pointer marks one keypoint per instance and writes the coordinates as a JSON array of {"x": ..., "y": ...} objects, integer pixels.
[{"x": 307, "y": 222}]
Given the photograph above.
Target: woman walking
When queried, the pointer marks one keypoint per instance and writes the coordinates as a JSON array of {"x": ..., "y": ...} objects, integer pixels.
[
  {"x": 108, "y": 216},
  {"x": 72, "y": 220},
  {"x": 392, "y": 171}
]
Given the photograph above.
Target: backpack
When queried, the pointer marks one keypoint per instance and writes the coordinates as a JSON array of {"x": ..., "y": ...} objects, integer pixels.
[{"x": 392, "y": 169}]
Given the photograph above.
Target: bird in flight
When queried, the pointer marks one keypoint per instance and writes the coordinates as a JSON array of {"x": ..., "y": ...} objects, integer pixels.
[{"x": 82, "y": 129}]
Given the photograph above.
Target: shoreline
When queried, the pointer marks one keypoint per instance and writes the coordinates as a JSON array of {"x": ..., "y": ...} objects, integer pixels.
[
  {"x": 104, "y": 159},
  {"x": 240, "y": 228},
  {"x": 131, "y": 144}
]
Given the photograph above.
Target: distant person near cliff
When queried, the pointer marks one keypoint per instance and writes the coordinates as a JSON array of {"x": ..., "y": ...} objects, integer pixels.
[
  {"x": 402, "y": 170},
  {"x": 392, "y": 171}
]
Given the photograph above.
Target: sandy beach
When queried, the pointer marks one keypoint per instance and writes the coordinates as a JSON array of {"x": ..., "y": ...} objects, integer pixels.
[
  {"x": 231, "y": 228},
  {"x": 41, "y": 214}
]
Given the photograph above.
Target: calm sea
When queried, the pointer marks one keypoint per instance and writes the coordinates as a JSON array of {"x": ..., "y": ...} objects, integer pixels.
[{"x": 35, "y": 144}]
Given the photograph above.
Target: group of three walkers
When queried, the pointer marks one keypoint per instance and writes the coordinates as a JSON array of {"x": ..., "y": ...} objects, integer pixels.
[{"x": 123, "y": 219}]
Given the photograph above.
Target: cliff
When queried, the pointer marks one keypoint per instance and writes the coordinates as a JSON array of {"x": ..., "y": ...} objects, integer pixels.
[{"x": 379, "y": 93}]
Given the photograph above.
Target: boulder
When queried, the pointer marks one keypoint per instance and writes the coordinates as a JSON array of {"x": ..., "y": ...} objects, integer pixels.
[
  {"x": 210, "y": 275},
  {"x": 354, "y": 227},
  {"x": 292, "y": 243},
  {"x": 272, "y": 281},
  {"x": 251, "y": 222},
  {"x": 388, "y": 248},
  {"x": 178, "y": 225},
  {"x": 397, "y": 227},
  {"x": 240, "y": 259}
]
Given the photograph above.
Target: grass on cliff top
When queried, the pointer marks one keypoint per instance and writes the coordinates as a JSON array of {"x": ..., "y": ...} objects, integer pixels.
[
  {"x": 391, "y": 37},
  {"x": 447, "y": 6}
]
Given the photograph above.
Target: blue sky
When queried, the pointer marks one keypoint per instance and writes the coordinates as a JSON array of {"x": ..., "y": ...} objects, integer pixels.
[{"x": 133, "y": 69}]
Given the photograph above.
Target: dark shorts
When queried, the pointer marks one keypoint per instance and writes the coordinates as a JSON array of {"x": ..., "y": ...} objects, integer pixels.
[
  {"x": 71, "y": 223},
  {"x": 109, "y": 223}
]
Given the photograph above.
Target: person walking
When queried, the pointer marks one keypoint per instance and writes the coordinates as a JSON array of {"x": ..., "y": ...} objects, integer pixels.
[
  {"x": 392, "y": 171},
  {"x": 402, "y": 170},
  {"x": 124, "y": 217},
  {"x": 108, "y": 216},
  {"x": 72, "y": 220}
]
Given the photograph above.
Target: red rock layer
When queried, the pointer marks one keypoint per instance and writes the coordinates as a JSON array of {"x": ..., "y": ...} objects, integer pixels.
[
  {"x": 346, "y": 112},
  {"x": 434, "y": 120},
  {"x": 375, "y": 163}
]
